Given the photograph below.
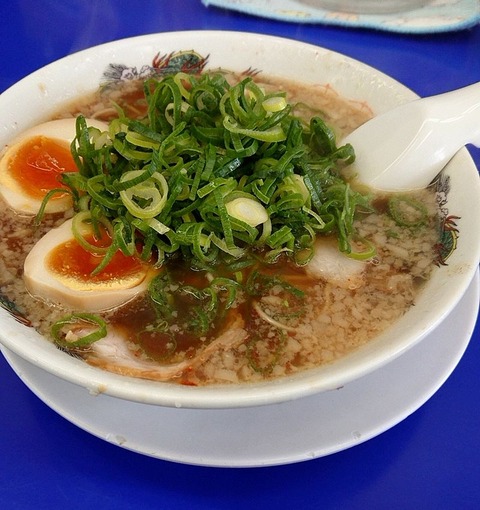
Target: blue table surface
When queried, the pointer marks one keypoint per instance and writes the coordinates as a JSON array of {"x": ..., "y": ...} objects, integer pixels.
[{"x": 429, "y": 460}]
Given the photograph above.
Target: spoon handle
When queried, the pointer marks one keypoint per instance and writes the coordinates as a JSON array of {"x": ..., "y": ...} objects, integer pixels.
[
  {"x": 406, "y": 147},
  {"x": 457, "y": 114}
]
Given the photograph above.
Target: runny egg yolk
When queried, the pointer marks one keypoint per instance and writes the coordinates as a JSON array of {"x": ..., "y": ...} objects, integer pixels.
[
  {"x": 71, "y": 261},
  {"x": 38, "y": 164},
  {"x": 59, "y": 269},
  {"x": 32, "y": 164}
]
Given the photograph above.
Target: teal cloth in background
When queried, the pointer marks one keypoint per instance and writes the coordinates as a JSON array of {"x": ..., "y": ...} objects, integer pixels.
[{"x": 437, "y": 16}]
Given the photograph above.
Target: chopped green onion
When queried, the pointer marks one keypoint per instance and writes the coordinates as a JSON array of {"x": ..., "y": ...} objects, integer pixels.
[
  {"x": 277, "y": 345},
  {"x": 144, "y": 199},
  {"x": 248, "y": 210},
  {"x": 83, "y": 226},
  {"x": 407, "y": 211},
  {"x": 274, "y": 104},
  {"x": 368, "y": 251},
  {"x": 212, "y": 171},
  {"x": 70, "y": 339}
]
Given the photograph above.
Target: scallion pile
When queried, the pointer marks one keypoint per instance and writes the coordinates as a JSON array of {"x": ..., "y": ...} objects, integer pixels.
[{"x": 213, "y": 172}]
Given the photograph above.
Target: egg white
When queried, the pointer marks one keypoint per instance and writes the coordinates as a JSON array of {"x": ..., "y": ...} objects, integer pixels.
[
  {"x": 72, "y": 293},
  {"x": 63, "y": 131}
]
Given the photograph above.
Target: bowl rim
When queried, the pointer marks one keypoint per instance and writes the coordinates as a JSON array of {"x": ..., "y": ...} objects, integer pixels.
[{"x": 48, "y": 357}]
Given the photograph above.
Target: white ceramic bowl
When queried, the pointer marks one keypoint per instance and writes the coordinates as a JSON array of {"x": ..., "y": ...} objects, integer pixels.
[{"x": 37, "y": 96}]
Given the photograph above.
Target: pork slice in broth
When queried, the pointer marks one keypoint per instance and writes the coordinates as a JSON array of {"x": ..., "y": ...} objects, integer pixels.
[{"x": 114, "y": 354}]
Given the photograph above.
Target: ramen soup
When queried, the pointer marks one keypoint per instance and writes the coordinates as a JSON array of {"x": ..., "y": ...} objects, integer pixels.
[{"x": 199, "y": 231}]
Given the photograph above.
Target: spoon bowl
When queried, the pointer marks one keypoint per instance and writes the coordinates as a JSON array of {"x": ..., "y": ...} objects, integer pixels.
[{"x": 406, "y": 147}]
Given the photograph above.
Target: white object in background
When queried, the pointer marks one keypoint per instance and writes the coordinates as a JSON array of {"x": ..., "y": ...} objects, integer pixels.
[{"x": 368, "y": 6}]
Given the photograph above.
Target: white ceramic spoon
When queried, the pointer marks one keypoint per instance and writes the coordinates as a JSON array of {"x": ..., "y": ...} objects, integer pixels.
[{"x": 405, "y": 148}]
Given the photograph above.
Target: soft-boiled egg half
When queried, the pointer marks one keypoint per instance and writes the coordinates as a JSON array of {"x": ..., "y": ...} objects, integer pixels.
[
  {"x": 31, "y": 165},
  {"x": 59, "y": 271}
]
